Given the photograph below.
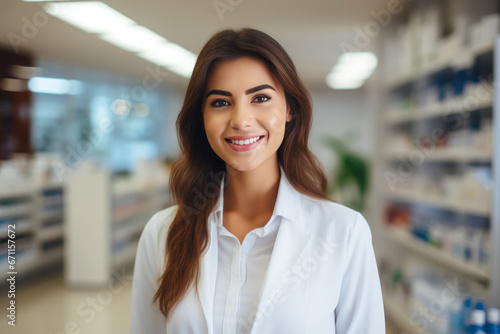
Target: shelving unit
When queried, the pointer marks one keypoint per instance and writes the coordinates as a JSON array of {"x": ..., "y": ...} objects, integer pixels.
[
  {"x": 37, "y": 213},
  {"x": 411, "y": 107},
  {"x": 395, "y": 117},
  {"x": 471, "y": 208},
  {"x": 404, "y": 239},
  {"x": 442, "y": 63},
  {"x": 400, "y": 316},
  {"x": 105, "y": 218}
]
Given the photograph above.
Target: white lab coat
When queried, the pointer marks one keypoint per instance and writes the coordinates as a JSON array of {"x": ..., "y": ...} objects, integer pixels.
[{"x": 322, "y": 276}]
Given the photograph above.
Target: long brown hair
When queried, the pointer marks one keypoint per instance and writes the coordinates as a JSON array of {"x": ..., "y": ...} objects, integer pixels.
[{"x": 196, "y": 176}]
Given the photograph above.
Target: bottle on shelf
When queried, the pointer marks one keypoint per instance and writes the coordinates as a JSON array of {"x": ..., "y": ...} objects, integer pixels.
[
  {"x": 480, "y": 306},
  {"x": 466, "y": 311},
  {"x": 492, "y": 321},
  {"x": 456, "y": 318},
  {"x": 476, "y": 322}
]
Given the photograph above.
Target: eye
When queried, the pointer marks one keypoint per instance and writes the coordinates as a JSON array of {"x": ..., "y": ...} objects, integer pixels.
[
  {"x": 262, "y": 98},
  {"x": 219, "y": 103}
]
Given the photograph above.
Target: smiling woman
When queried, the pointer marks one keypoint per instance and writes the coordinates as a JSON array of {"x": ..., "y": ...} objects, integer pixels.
[
  {"x": 242, "y": 105},
  {"x": 253, "y": 244}
]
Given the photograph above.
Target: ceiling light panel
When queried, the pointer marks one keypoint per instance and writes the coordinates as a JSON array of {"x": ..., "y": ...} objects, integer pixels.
[
  {"x": 351, "y": 70},
  {"x": 115, "y": 28},
  {"x": 134, "y": 38},
  {"x": 90, "y": 16}
]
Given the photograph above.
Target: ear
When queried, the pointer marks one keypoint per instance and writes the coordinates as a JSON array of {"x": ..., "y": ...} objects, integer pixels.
[{"x": 288, "y": 114}]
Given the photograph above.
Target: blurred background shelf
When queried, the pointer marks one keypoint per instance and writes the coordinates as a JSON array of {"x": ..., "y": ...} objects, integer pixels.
[
  {"x": 444, "y": 62},
  {"x": 105, "y": 218},
  {"x": 446, "y": 155},
  {"x": 38, "y": 247},
  {"x": 436, "y": 177},
  {"x": 404, "y": 239},
  {"x": 397, "y": 312},
  {"x": 457, "y": 205},
  {"x": 465, "y": 104}
]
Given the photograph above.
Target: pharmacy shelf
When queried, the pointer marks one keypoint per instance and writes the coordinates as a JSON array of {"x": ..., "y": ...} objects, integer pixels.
[
  {"x": 480, "y": 102},
  {"x": 459, "y": 154},
  {"x": 438, "y": 65},
  {"x": 399, "y": 315},
  {"x": 29, "y": 217},
  {"x": 125, "y": 232},
  {"x": 396, "y": 117},
  {"x": 404, "y": 239},
  {"x": 460, "y": 206},
  {"x": 8, "y": 193},
  {"x": 51, "y": 233},
  {"x": 104, "y": 221},
  {"x": 125, "y": 255},
  {"x": 23, "y": 226},
  {"x": 16, "y": 210}
]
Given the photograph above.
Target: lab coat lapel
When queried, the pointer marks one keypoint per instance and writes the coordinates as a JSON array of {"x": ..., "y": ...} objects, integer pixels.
[
  {"x": 206, "y": 286},
  {"x": 290, "y": 247}
]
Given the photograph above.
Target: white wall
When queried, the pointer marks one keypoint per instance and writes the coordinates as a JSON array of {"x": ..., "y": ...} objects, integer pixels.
[{"x": 335, "y": 112}]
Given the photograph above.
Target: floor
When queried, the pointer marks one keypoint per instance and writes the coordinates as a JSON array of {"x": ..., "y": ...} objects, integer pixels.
[{"x": 45, "y": 305}]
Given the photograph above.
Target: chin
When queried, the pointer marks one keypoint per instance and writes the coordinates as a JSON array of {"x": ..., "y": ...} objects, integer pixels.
[{"x": 236, "y": 168}]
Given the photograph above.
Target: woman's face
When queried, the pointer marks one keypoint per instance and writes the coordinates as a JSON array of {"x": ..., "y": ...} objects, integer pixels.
[{"x": 244, "y": 102}]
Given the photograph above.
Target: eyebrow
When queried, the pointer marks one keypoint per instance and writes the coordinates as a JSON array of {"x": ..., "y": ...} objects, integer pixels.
[{"x": 248, "y": 91}]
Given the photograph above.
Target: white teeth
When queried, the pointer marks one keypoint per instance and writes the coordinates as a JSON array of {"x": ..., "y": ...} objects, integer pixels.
[{"x": 244, "y": 142}]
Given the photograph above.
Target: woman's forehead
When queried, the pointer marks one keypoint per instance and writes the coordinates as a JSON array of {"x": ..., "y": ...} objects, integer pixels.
[{"x": 240, "y": 74}]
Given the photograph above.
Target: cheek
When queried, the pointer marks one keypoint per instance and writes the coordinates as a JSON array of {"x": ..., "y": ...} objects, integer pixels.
[
  {"x": 210, "y": 126},
  {"x": 276, "y": 124}
]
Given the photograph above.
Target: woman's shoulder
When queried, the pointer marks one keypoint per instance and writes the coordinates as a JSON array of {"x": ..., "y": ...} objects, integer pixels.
[
  {"x": 327, "y": 208},
  {"x": 157, "y": 226},
  {"x": 331, "y": 217},
  {"x": 161, "y": 220},
  {"x": 155, "y": 232}
]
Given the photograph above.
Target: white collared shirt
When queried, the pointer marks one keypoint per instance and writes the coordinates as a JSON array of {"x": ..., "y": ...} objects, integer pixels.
[
  {"x": 240, "y": 274},
  {"x": 310, "y": 269},
  {"x": 242, "y": 267}
]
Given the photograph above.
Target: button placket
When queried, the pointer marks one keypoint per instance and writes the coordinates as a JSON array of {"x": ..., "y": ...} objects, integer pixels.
[{"x": 233, "y": 291}]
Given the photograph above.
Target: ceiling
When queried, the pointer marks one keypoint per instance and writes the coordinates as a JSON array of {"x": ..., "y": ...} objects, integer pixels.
[{"x": 311, "y": 31}]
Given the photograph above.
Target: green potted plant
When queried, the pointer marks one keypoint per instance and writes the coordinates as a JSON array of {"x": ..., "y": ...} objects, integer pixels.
[{"x": 350, "y": 178}]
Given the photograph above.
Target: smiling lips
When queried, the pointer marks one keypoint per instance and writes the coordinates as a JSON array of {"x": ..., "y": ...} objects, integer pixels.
[{"x": 246, "y": 143}]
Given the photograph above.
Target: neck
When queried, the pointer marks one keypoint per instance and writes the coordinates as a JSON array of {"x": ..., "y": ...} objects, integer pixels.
[{"x": 252, "y": 193}]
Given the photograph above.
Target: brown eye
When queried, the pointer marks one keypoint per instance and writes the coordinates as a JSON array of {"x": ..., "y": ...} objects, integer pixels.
[
  {"x": 219, "y": 103},
  {"x": 261, "y": 98}
]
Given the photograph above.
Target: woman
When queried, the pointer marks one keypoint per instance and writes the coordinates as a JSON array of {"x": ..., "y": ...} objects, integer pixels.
[{"x": 254, "y": 245}]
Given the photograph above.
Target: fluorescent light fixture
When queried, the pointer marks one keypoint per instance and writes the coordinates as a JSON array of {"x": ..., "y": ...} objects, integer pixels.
[
  {"x": 351, "y": 70},
  {"x": 134, "y": 38},
  {"x": 90, "y": 16},
  {"x": 117, "y": 29},
  {"x": 336, "y": 83},
  {"x": 54, "y": 86},
  {"x": 184, "y": 70},
  {"x": 365, "y": 60},
  {"x": 173, "y": 57}
]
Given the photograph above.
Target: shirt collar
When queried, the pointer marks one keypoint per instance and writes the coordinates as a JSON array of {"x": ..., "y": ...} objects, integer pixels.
[{"x": 287, "y": 202}]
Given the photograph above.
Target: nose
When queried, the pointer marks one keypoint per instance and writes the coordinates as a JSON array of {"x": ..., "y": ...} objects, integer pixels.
[{"x": 241, "y": 116}]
